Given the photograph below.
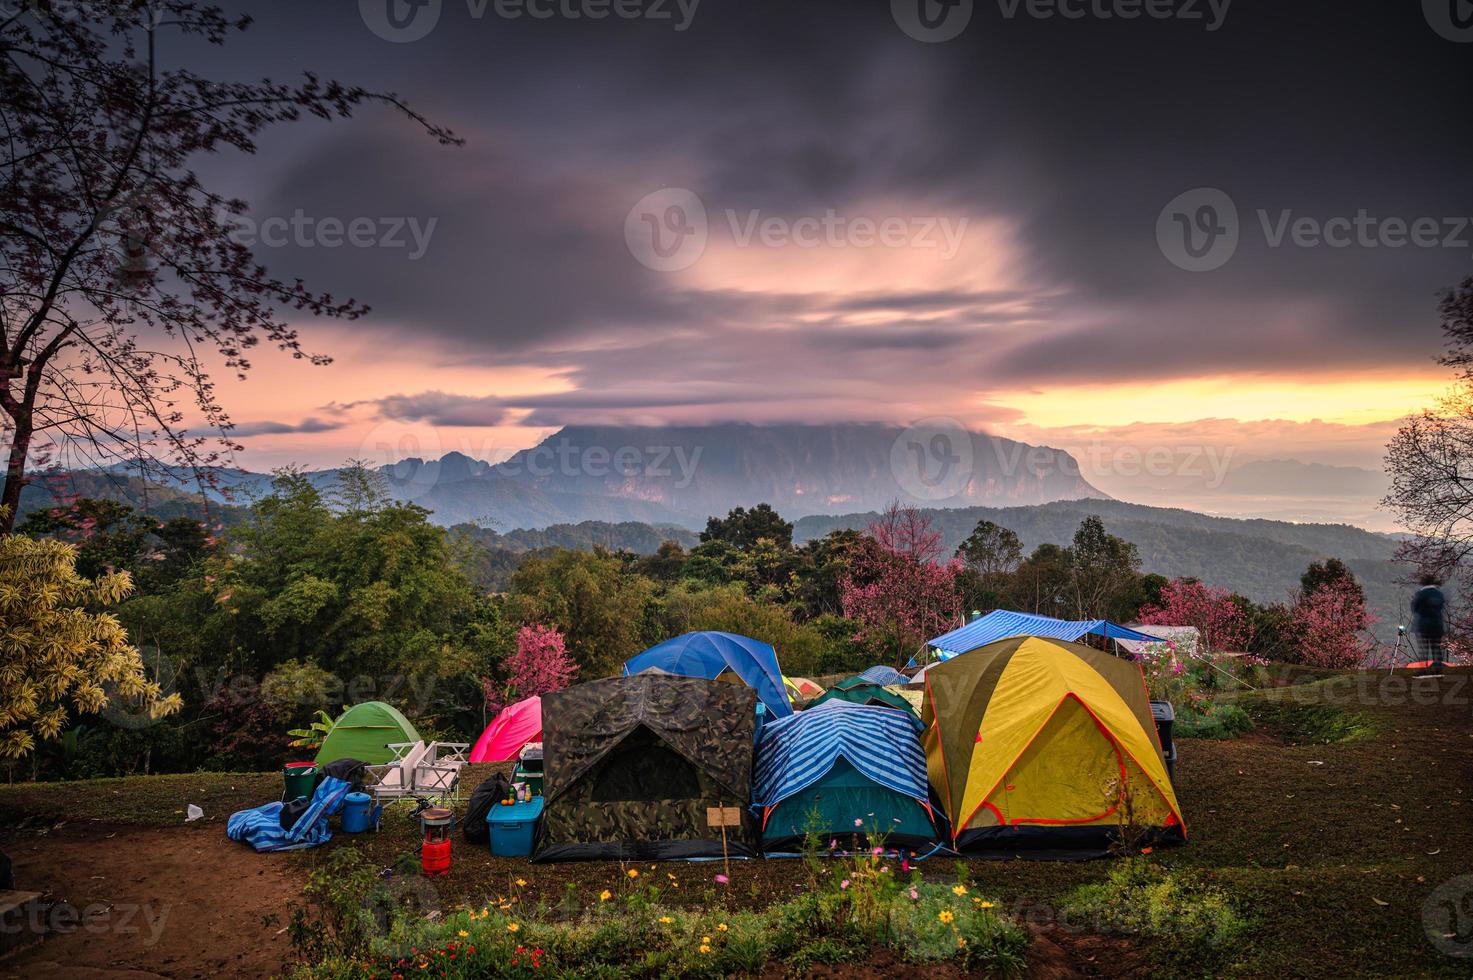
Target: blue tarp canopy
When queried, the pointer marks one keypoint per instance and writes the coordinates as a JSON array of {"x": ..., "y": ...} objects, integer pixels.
[
  {"x": 883, "y": 676},
  {"x": 711, "y": 653},
  {"x": 1003, "y": 623},
  {"x": 799, "y": 750}
]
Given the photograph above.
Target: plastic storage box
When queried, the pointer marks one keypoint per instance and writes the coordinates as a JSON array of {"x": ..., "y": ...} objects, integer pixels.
[{"x": 512, "y": 827}]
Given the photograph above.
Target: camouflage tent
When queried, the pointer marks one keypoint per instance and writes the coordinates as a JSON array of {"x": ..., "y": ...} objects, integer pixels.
[{"x": 633, "y": 763}]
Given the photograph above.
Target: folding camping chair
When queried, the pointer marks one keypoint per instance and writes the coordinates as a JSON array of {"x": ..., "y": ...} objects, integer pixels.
[
  {"x": 394, "y": 780},
  {"x": 438, "y": 772}
]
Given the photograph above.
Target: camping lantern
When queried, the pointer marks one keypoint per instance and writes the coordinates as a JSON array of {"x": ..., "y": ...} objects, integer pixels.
[{"x": 434, "y": 853}]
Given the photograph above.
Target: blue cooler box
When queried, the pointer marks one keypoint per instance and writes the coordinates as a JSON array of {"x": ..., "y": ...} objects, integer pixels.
[{"x": 512, "y": 827}]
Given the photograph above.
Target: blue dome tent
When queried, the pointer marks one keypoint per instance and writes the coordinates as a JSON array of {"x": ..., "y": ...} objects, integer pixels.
[{"x": 710, "y": 654}]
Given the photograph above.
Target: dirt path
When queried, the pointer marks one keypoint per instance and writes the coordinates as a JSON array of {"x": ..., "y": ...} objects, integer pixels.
[{"x": 140, "y": 902}]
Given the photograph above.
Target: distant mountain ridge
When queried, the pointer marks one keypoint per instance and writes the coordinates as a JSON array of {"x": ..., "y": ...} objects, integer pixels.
[
  {"x": 682, "y": 475},
  {"x": 1259, "y": 558}
]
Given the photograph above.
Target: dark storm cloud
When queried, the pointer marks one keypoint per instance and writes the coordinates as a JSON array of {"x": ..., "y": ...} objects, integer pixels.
[
  {"x": 1074, "y": 133},
  {"x": 244, "y": 430},
  {"x": 443, "y": 408}
]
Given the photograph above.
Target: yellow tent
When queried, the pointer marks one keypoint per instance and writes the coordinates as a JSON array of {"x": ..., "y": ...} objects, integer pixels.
[
  {"x": 801, "y": 688},
  {"x": 1041, "y": 744}
]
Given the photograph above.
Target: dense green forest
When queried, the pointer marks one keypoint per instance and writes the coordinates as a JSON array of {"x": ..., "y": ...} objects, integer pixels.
[
  {"x": 311, "y": 599},
  {"x": 1260, "y": 559}
]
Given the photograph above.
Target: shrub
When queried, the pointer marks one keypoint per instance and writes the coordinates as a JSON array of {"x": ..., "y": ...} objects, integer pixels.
[
  {"x": 1218, "y": 720},
  {"x": 866, "y": 905},
  {"x": 1190, "y": 923}
]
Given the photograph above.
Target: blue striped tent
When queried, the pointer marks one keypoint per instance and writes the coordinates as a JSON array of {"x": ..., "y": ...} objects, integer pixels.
[
  {"x": 883, "y": 676},
  {"x": 1003, "y": 623},
  {"x": 825, "y": 768}
]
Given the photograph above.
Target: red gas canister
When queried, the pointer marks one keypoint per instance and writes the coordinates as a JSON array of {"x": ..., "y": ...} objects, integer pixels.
[{"x": 434, "y": 853}]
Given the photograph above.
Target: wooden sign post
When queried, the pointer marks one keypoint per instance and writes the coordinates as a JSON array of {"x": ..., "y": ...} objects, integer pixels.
[{"x": 723, "y": 817}]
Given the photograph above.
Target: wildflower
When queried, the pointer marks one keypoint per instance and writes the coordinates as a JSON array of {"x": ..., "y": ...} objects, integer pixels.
[
  {"x": 513, "y": 927},
  {"x": 605, "y": 895},
  {"x": 521, "y": 882},
  {"x": 705, "y": 948},
  {"x": 462, "y": 934},
  {"x": 945, "y": 916},
  {"x": 705, "y": 939},
  {"x": 961, "y": 941},
  {"x": 634, "y": 872},
  {"x": 833, "y": 844},
  {"x": 877, "y": 851},
  {"x": 859, "y": 821},
  {"x": 1146, "y": 850},
  {"x": 665, "y": 920},
  {"x": 722, "y": 880},
  {"x": 987, "y": 905},
  {"x": 914, "y": 895},
  {"x": 844, "y": 883},
  {"x": 904, "y": 864},
  {"x": 958, "y": 890},
  {"x": 721, "y": 927}
]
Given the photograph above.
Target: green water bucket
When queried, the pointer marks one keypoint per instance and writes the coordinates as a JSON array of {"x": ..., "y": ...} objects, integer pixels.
[{"x": 300, "y": 778}]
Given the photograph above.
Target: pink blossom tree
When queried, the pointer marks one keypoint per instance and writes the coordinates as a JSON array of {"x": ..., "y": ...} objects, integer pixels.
[
  {"x": 895, "y": 588},
  {"x": 1220, "y": 622},
  {"x": 1331, "y": 626},
  {"x": 540, "y": 666}
]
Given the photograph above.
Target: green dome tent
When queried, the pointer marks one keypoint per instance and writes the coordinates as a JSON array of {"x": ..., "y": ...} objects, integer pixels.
[
  {"x": 364, "y": 732},
  {"x": 858, "y": 690}
]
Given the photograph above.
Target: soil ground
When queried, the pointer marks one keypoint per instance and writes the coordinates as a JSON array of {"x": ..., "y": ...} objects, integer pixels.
[{"x": 1342, "y": 853}]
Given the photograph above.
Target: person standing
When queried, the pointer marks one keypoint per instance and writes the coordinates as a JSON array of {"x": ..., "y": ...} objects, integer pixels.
[{"x": 1429, "y": 621}]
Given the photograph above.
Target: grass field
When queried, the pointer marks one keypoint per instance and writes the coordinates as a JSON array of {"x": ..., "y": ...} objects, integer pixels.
[{"x": 1330, "y": 825}]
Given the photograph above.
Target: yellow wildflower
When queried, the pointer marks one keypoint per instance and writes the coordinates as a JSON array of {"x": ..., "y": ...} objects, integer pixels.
[
  {"x": 705, "y": 939},
  {"x": 521, "y": 882},
  {"x": 959, "y": 890},
  {"x": 988, "y": 905},
  {"x": 721, "y": 927},
  {"x": 634, "y": 872},
  {"x": 945, "y": 915},
  {"x": 605, "y": 895},
  {"x": 665, "y": 920},
  {"x": 513, "y": 927},
  {"x": 705, "y": 948},
  {"x": 462, "y": 934}
]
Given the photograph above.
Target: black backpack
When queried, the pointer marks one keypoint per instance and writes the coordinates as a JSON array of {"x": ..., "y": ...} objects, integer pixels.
[{"x": 483, "y": 798}]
